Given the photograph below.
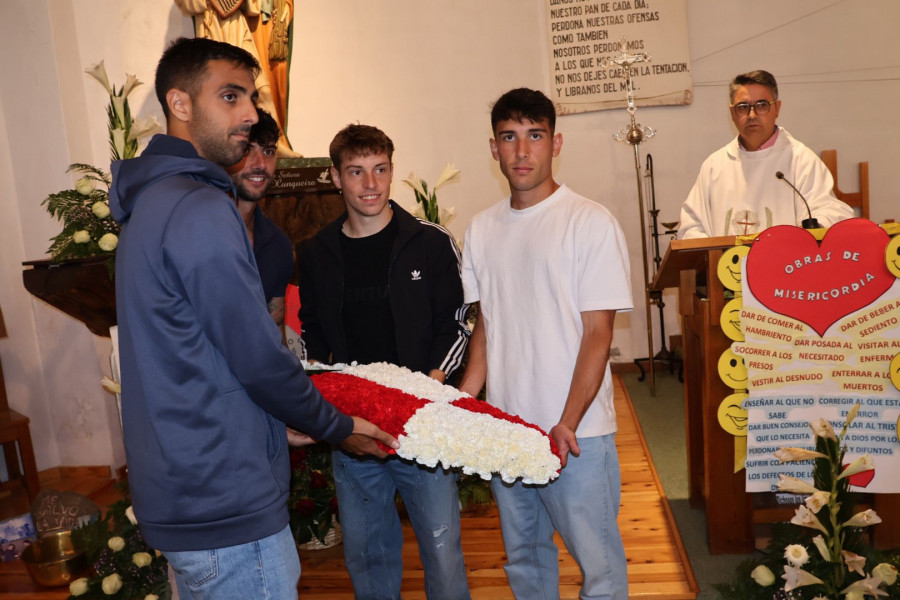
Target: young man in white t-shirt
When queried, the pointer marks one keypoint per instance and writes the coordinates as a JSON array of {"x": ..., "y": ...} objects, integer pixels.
[{"x": 550, "y": 269}]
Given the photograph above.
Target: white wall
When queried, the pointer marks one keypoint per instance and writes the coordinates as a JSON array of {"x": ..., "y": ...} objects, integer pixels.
[
  {"x": 51, "y": 115},
  {"x": 426, "y": 73}
]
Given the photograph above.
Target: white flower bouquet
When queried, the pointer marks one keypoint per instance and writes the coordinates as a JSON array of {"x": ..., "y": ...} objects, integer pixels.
[
  {"x": 88, "y": 228},
  {"x": 427, "y": 201}
]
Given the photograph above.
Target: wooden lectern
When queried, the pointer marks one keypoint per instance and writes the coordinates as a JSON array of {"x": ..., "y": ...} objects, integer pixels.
[
  {"x": 690, "y": 265},
  {"x": 731, "y": 512}
]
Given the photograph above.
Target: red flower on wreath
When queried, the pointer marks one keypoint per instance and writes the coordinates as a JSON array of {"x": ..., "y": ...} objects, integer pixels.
[
  {"x": 388, "y": 407},
  {"x": 298, "y": 459},
  {"x": 317, "y": 480},
  {"x": 305, "y": 507}
]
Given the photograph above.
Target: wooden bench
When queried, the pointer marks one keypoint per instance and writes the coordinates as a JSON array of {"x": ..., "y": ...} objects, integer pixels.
[{"x": 15, "y": 438}]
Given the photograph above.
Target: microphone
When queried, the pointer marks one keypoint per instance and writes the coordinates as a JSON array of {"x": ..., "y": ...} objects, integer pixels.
[{"x": 811, "y": 222}]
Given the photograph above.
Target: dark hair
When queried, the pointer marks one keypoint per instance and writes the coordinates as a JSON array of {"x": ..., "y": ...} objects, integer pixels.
[
  {"x": 521, "y": 104},
  {"x": 759, "y": 77},
  {"x": 184, "y": 65},
  {"x": 359, "y": 140},
  {"x": 265, "y": 132}
]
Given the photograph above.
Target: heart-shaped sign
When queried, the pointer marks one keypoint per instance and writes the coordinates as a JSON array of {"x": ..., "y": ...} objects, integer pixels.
[
  {"x": 791, "y": 274},
  {"x": 861, "y": 479}
]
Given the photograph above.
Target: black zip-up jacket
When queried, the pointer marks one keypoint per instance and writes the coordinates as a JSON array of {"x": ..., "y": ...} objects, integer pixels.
[{"x": 426, "y": 295}]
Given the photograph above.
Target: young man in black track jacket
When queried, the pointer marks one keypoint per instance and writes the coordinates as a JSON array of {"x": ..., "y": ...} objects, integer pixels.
[{"x": 379, "y": 285}]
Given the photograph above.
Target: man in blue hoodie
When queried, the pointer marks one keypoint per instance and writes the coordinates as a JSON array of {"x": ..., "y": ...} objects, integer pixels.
[{"x": 207, "y": 385}]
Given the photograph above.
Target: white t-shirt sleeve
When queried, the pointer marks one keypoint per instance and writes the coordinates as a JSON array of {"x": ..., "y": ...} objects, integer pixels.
[
  {"x": 604, "y": 279},
  {"x": 469, "y": 281}
]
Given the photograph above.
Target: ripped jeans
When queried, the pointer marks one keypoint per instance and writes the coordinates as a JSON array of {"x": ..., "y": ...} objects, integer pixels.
[{"x": 372, "y": 533}]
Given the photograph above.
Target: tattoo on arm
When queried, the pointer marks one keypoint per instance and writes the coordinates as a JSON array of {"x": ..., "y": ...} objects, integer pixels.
[{"x": 276, "y": 309}]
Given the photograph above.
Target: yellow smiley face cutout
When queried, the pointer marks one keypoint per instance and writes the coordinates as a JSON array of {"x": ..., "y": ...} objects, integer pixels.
[
  {"x": 732, "y": 414},
  {"x": 729, "y": 269},
  {"x": 895, "y": 372},
  {"x": 732, "y": 370},
  {"x": 730, "y": 319},
  {"x": 892, "y": 256}
]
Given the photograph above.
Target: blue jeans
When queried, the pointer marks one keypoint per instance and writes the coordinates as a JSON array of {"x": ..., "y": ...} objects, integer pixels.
[
  {"x": 582, "y": 505},
  {"x": 267, "y": 569},
  {"x": 373, "y": 536}
]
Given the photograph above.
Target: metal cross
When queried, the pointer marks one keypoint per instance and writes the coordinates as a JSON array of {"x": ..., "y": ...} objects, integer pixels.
[
  {"x": 625, "y": 60},
  {"x": 633, "y": 135}
]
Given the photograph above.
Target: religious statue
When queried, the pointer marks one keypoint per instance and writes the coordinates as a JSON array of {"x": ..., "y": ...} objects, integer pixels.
[{"x": 262, "y": 28}]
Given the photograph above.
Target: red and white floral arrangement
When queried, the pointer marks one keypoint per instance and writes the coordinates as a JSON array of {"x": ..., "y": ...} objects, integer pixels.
[{"x": 436, "y": 423}]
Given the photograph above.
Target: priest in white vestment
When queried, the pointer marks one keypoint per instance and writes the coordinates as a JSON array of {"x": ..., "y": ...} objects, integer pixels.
[{"x": 737, "y": 191}]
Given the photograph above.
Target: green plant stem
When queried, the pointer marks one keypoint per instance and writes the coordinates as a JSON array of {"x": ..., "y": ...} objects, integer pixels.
[{"x": 834, "y": 507}]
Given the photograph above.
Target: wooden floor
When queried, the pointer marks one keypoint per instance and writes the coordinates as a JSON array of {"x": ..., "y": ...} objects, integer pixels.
[{"x": 657, "y": 564}]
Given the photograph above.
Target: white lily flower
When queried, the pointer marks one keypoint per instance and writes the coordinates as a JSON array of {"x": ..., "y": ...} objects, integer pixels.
[
  {"x": 823, "y": 429},
  {"x": 447, "y": 215},
  {"x": 854, "y": 562},
  {"x": 118, "y": 103},
  {"x": 787, "y": 454},
  {"x": 792, "y": 485},
  {"x": 119, "y": 142},
  {"x": 416, "y": 184},
  {"x": 418, "y": 211},
  {"x": 819, "y": 542},
  {"x": 131, "y": 82},
  {"x": 142, "y": 127},
  {"x": 129, "y": 512},
  {"x": 817, "y": 500},
  {"x": 805, "y": 518},
  {"x": 863, "y": 519},
  {"x": 796, "y": 555},
  {"x": 863, "y": 463},
  {"x": 852, "y": 414},
  {"x": 447, "y": 175},
  {"x": 795, "y": 578},
  {"x": 869, "y": 586},
  {"x": 98, "y": 72}
]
